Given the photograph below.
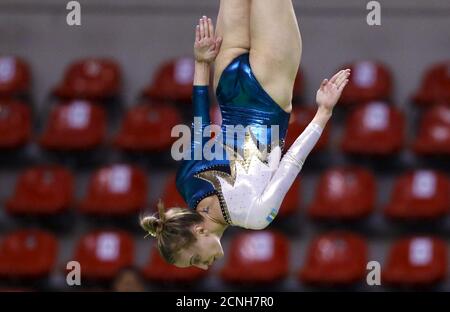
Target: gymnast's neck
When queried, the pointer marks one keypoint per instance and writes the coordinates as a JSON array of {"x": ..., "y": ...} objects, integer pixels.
[{"x": 210, "y": 210}]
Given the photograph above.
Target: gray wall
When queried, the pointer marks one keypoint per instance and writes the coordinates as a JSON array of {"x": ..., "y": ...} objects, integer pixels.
[{"x": 141, "y": 34}]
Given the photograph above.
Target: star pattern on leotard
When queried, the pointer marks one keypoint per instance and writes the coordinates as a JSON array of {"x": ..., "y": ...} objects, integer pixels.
[{"x": 243, "y": 157}]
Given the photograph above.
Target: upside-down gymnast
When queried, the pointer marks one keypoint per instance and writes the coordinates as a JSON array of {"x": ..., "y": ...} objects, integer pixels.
[{"x": 256, "y": 50}]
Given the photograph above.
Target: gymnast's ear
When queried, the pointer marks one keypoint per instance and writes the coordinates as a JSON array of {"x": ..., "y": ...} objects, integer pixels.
[{"x": 199, "y": 229}]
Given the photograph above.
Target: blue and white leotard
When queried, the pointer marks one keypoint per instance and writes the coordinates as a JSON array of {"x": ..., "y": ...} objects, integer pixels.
[{"x": 244, "y": 102}]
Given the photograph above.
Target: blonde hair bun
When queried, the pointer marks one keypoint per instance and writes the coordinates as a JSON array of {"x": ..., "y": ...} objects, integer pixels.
[{"x": 152, "y": 225}]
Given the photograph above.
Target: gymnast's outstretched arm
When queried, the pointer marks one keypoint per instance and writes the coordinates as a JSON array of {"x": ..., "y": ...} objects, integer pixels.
[
  {"x": 206, "y": 49},
  {"x": 267, "y": 205}
]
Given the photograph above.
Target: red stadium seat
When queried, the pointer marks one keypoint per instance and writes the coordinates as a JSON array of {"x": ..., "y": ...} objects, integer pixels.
[
  {"x": 336, "y": 258},
  {"x": 42, "y": 190},
  {"x": 173, "y": 81},
  {"x": 300, "y": 118},
  {"x": 28, "y": 254},
  {"x": 74, "y": 125},
  {"x": 370, "y": 81},
  {"x": 374, "y": 129},
  {"x": 435, "y": 87},
  {"x": 148, "y": 128},
  {"x": 416, "y": 261},
  {"x": 158, "y": 270},
  {"x": 15, "y": 124},
  {"x": 103, "y": 254},
  {"x": 116, "y": 190},
  {"x": 91, "y": 79},
  {"x": 257, "y": 257},
  {"x": 434, "y": 132},
  {"x": 420, "y": 194},
  {"x": 291, "y": 202},
  {"x": 15, "y": 77},
  {"x": 170, "y": 195},
  {"x": 344, "y": 193}
]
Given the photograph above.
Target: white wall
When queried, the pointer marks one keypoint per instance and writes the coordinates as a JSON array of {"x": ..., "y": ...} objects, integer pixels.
[{"x": 140, "y": 34}]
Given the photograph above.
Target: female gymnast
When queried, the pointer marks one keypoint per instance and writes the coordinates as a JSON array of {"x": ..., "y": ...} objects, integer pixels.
[{"x": 256, "y": 49}]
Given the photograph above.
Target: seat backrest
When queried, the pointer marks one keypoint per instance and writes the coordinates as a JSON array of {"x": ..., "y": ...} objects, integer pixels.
[
  {"x": 335, "y": 257},
  {"x": 369, "y": 81},
  {"x": 15, "y": 123},
  {"x": 420, "y": 193},
  {"x": 91, "y": 78},
  {"x": 374, "y": 127},
  {"x": 102, "y": 254},
  {"x": 344, "y": 192},
  {"x": 435, "y": 85},
  {"x": 257, "y": 257},
  {"x": 111, "y": 183},
  {"x": 173, "y": 80},
  {"x": 28, "y": 253},
  {"x": 416, "y": 260},
  {"x": 44, "y": 184},
  {"x": 15, "y": 76}
]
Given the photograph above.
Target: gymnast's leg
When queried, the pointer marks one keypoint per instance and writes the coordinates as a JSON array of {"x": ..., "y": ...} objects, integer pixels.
[
  {"x": 276, "y": 48},
  {"x": 233, "y": 25}
]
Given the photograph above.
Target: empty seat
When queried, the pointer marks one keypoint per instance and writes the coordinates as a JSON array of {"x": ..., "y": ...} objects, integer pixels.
[
  {"x": 148, "y": 128},
  {"x": 170, "y": 195},
  {"x": 42, "y": 190},
  {"x": 420, "y": 194},
  {"x": 435, "y": 86},
  {"x": 74, "y": 125},
  {"x": 116, "y": 190},
  {"x": 173, "y": 81},
  {"x": 15, "y": 124},
  {"x": 257, "y": 257},
  {"x": 344, "y": 193},
  {"x": 299, "y": 120},
  {"x": 336, "y": 258},
  {"x": 374, "y": 128},
  {"x": 15, "y": 76},
  {"x": 92, "y": 79},
  {"x": 103, "y": 254},
  {"x": 158, "y": 270},
  {"x": 434, "y": 132},
  {"x": 416, "y": 261},
  {"x": 28, "y": 254},
  {"x": 291, "y": 202},
  {"x": 369, "y": 81}
]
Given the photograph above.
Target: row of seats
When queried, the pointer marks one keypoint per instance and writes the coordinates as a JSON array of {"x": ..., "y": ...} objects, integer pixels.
[
  {"x": 334, "y": 258},
  {"x": 100, "y": 79},
  {"x": 374, "y": 128},
  {"x": 342, "y": 193}
]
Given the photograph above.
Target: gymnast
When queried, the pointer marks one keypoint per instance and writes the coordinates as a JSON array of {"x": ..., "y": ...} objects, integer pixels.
[{"x": 256, "y": 51}]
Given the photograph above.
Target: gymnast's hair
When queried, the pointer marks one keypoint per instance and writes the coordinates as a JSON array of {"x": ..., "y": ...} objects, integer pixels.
[{"x": 172, "y": 229}]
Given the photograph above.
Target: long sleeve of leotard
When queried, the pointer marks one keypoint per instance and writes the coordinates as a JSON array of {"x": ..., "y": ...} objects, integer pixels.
[
  {"x": 266, "y": 207},
  {"x": 201, "y": 103}
]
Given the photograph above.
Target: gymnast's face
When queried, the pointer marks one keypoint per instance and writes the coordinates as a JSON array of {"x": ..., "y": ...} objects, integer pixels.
[{"x": 203, "y": 252}]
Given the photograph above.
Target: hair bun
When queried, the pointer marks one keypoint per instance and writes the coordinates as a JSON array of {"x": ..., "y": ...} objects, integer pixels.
[{"x": 152, "y": 225}]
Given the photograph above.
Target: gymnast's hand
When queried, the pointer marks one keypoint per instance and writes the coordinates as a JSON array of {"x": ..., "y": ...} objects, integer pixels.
[
  {"x": 330, "y": 90},
  {"x": 207, "y": 44}
]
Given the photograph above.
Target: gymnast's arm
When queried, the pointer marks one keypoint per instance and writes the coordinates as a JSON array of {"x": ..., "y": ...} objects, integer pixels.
[
  {"x": 268, "y": 204},
  {"x": 206, "y": 48}
]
